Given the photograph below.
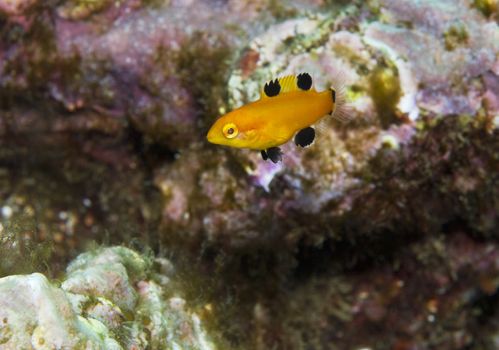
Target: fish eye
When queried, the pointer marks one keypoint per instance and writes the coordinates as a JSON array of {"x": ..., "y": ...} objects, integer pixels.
[{"x": 230, "y": 130}]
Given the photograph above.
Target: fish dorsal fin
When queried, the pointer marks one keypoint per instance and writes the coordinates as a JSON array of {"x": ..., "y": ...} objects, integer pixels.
[{"x": 300, "y": 82}]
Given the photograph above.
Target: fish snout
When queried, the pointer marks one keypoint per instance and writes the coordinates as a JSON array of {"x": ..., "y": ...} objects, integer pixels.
[{"x": 212, "y": 135}]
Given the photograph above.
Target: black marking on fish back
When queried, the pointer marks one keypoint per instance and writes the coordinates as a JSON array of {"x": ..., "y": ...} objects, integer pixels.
[
  {"x": 274, "y": 154},
  {"x": 264, "y": 155},
  {"x": 272, "y": 88},
  {"x": 304, "y": 81},
  {"x": 333, "y": 95},
  {"x": 305, "y": 137}
]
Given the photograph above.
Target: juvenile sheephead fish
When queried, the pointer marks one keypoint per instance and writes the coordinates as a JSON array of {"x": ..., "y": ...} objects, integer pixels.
[{"x": 287, "y": 107}]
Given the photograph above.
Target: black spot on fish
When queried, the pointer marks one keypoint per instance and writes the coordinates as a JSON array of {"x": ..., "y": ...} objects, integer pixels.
[
  {"x": 264, "y": 155},
  {"x": 274, "y": 154},
  {"x": 333, "y": 94},
  {"x": 272, "y": 88},
  {"x": 305, "y": 137},
  {"x": 304, "y": 81}
]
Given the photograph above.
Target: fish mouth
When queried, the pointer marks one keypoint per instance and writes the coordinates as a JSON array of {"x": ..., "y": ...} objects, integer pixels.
[{"x": 212, "y": 137}]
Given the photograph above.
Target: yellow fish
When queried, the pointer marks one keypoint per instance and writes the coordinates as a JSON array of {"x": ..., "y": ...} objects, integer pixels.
[{"x": 287, "y": 107}]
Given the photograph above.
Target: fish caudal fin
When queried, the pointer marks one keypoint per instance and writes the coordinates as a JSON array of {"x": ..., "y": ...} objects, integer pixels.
[{"x": 341, "y": 110}]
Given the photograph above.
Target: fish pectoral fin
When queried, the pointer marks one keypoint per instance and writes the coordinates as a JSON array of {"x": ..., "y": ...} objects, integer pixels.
[
  {"x": 305, "y": 137},
  {"x": 273, "y": 153}
]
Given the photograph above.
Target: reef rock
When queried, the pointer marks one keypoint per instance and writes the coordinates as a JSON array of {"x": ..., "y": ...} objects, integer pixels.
[
  {"x": 443, "y": 49},
  {"x": 439, "y": 53},
  {"x": 104, "y": 111},
  {"x": 35, "y": 314},
  {"x": 15, "y": 7},
  {"x": 108, "y": 292}
]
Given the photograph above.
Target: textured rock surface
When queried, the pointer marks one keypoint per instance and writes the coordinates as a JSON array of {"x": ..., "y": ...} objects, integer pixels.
[
  {"x": 391, "y": 84},
  {"x": 37, "y": 315},
  {"x": 108, "y": 301},
  {"x": 448, "y": 49},
  {"x": 16, "y": 7}
]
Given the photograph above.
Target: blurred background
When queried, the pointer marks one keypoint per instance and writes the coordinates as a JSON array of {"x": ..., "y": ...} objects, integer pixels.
[{"x": 382, "y": 235}]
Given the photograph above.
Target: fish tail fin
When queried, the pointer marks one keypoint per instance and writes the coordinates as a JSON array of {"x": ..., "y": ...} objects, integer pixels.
[{"x": 341, "y": 110}]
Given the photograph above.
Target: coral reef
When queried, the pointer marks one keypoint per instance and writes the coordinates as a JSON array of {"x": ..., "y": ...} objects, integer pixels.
[
  {"x": 386, "y": 88},
  {"x": 16, "y": 7},
  {"x": 381, "y": 235},
  {"x": 109, "y": 300},
  {"x": 379, "y": 254},
  {"x": 37, "y": 315}
]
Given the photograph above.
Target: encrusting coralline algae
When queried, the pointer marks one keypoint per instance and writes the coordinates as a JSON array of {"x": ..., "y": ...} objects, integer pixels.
[{"x": 111, "y": 299}]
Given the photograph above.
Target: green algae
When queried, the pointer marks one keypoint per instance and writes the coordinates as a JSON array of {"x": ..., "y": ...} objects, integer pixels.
[
  {"x": 456, "y": 35},
  {"x": 31, "y": 72},
  {"x": 375, "y": 7},
  {"x": 155, "y": 4},
  {"x": 439, "y": 159},
  {"x": 100, "y": 201},
  {"x": 280, "y": 11},
  {"x": 384, "y": 88},
  {"x": 307, "y": 42},
  {"x": 82, "y": 9},
  {"x": 354, "y": 92},
  {"x": 39, "y": 50},
  {"x": 206, "y": 81},
  {"x": 19, "y": 254},
  {"x": 27, "y": 71},
  {"x": 201, "y": 91},
  {"x": 486, "y": 7}
]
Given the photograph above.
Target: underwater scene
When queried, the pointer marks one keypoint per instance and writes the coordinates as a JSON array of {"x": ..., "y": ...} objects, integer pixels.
[{"x": 249, "y": 174}]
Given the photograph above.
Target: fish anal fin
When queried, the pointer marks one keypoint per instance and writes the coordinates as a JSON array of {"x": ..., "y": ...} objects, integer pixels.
[
  {"x": 264, "y": 154},
  {"x": 274, "y": 154}
]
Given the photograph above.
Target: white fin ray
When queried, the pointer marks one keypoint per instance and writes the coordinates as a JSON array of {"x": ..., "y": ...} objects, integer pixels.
[{"x": 342, "y": 110}]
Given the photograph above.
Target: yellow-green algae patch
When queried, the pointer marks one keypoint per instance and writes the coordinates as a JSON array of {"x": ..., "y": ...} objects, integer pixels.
[
  {"x": 384, "y": 87},
  {"x": 456, "y": 35},
  {"x": 487, "y": 7},
  {"x": 81, "y": 9}
]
